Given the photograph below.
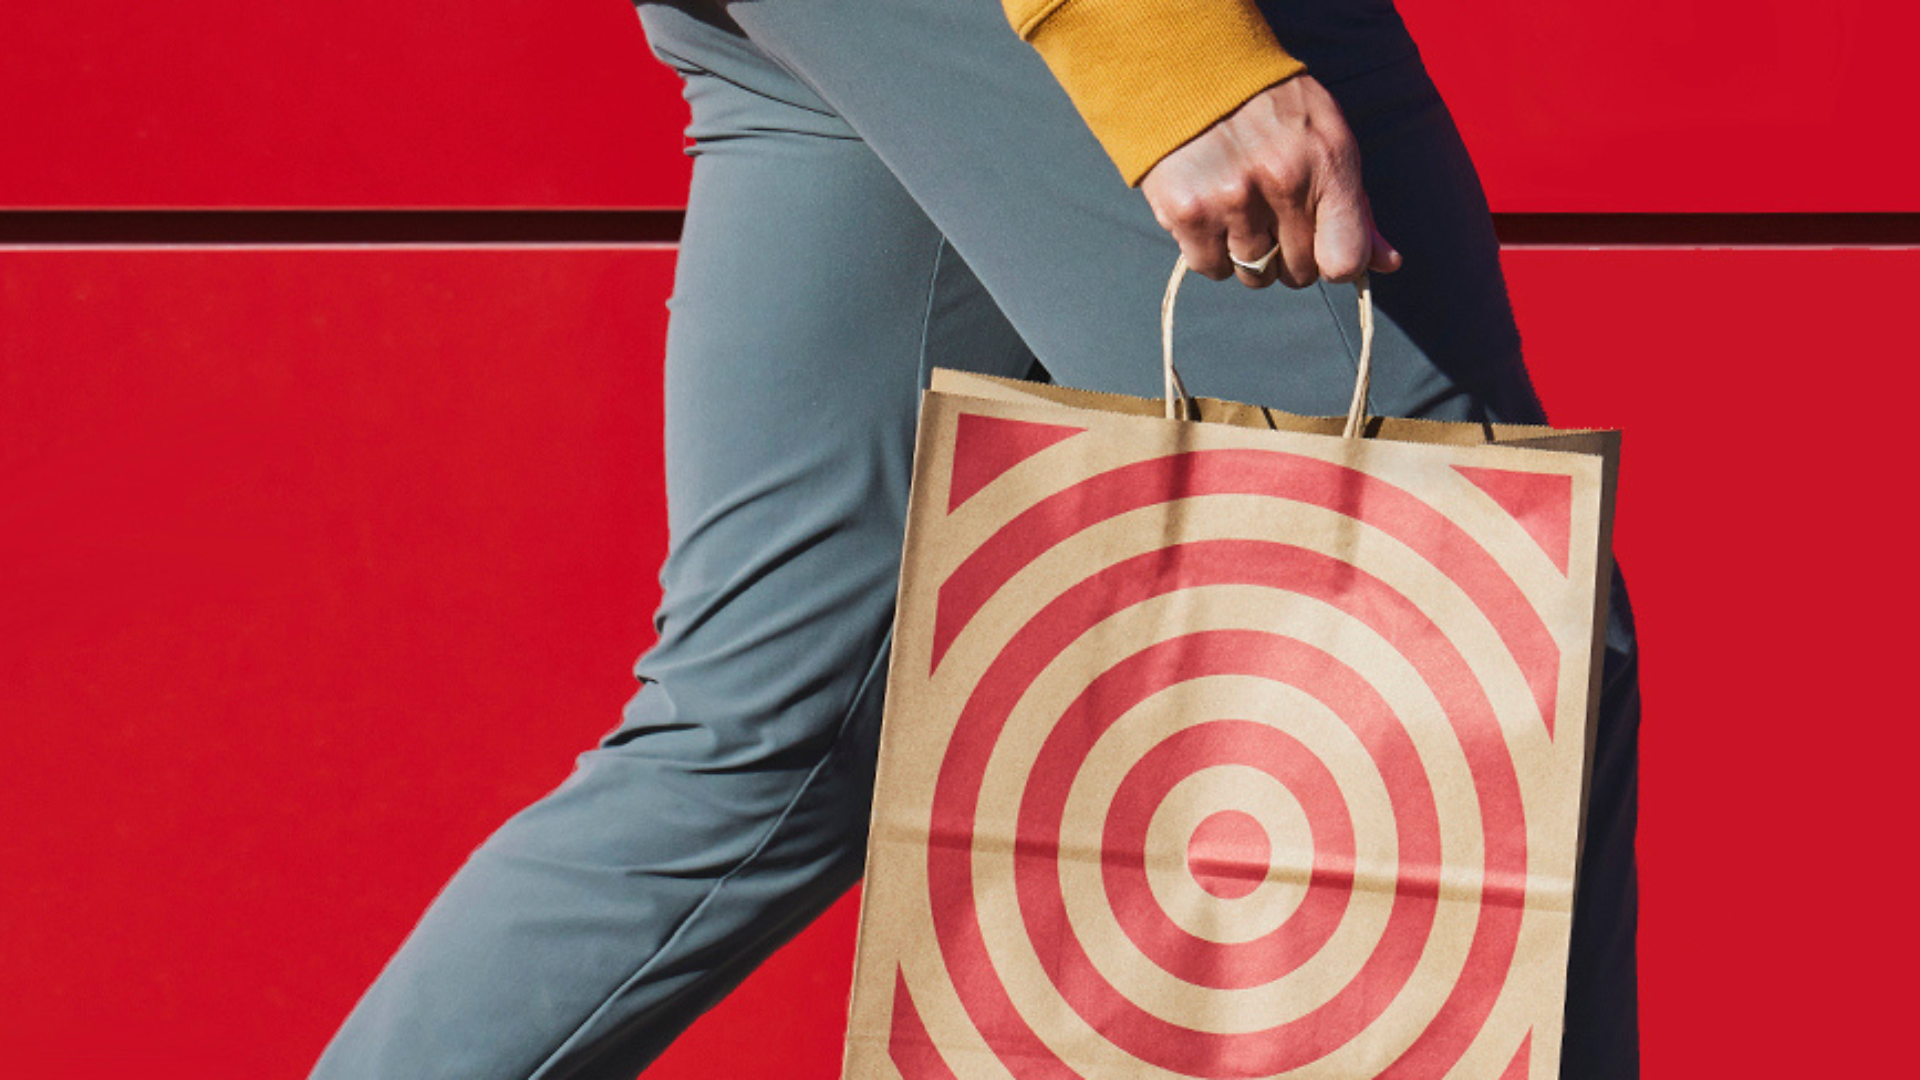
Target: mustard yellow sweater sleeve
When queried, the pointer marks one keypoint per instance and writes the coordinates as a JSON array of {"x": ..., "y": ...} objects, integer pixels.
[{"x": 1147, "y": 75}]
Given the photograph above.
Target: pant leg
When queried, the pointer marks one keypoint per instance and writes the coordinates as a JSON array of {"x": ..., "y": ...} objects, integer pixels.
[
  {"x": 982, "y": 138},
  {"x": 594, "y": 973},
  {"x": 1603, "y": 1018},
  {"x": 730, "y": 805}
]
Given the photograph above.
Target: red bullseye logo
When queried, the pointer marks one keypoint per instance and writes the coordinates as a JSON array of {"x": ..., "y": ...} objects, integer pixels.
[
  {"x": 1284, "y": 831},
  {"x": 1222, "y": 849}
]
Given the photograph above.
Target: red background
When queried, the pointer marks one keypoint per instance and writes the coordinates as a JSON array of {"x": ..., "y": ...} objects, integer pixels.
[
  {"x": 318, "y": 561},
  {"x": 1628, "y": 106}
]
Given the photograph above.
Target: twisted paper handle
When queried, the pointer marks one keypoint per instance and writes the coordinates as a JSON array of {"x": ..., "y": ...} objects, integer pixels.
[{"x": 1179, "y": 401}]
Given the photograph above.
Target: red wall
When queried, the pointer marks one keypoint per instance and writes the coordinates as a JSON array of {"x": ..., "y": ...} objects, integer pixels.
[
  {"x": 316, "y": 562},
  {"x": 1637, "y": 106},
  {"x": 1634, "y": 105},
  {"x": 351, "y": 103}
]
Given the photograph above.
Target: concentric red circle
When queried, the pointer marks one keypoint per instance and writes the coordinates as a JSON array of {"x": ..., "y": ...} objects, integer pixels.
[
  {"x": 1226, "y": 853},
  {"x": 1362, "y": 597}
]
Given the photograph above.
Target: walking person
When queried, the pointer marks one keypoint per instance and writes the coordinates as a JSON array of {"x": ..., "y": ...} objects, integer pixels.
[{"x": 881, "y": 187}]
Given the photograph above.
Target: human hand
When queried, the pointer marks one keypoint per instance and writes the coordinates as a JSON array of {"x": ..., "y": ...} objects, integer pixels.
[{"x": 1283, "y": 167}]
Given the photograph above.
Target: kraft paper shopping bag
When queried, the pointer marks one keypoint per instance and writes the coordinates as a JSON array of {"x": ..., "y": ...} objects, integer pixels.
[{"x": 1221, "y": 742}]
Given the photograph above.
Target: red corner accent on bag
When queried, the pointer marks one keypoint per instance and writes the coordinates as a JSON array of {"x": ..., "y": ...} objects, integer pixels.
[
  {"x": 1541, "y": 502},
  {"x": 909, "y": 1046},
  {"x": 1518, "y": 1069},
  {"x": 986, "y": 446}
]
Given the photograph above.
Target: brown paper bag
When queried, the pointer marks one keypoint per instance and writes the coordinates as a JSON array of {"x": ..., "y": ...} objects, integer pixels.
[{"x": 1246, "y": 747}]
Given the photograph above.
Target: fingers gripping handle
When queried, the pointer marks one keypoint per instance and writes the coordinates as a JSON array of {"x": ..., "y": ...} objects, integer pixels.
[{"x": 1179, "y": 402}]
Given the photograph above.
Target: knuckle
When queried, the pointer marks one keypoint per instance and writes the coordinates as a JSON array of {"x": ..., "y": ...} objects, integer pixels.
[
  {"x": 1185, "y": 211},
  {"x": 1287, "y": 173},
  {"x": 1230, "y": 198}
]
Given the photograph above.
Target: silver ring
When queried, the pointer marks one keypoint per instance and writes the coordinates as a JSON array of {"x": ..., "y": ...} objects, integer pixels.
[{"x": 1259, "y": 265}]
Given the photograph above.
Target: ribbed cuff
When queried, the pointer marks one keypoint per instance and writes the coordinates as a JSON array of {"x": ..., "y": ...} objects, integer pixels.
[{"x": 1148, "y": 75}]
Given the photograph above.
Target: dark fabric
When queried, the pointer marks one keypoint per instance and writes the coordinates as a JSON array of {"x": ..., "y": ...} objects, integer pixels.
[{"x": 1338, "y": 39}]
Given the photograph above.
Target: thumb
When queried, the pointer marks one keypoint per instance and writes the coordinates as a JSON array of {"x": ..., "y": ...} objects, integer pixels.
[{"x": 1386, "y": 258}]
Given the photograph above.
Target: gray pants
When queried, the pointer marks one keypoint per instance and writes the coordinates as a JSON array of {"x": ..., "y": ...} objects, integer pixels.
[{"x": 880, "y": 187}]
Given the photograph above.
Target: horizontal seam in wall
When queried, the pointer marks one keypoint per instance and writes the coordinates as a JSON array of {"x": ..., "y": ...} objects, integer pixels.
[{"x": 627, "y": 227}]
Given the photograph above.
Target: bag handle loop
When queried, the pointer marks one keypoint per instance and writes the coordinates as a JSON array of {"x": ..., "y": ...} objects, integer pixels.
[{"x": 1179, "y": 402}]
